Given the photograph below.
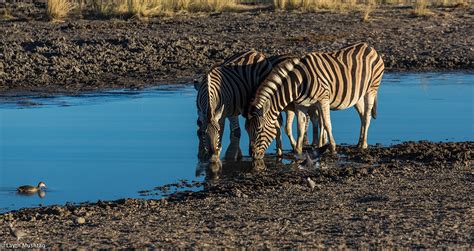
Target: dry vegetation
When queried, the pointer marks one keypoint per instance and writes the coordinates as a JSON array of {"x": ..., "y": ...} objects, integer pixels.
[
  {"x": 146, "y": 8},
  {"x": 57, "y": 9},
  {"x": 140, "y": 8},
  {"x": 420, "y": 8}
]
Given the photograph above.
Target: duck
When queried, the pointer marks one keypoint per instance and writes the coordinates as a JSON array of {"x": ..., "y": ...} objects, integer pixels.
[{"x": 31, "y": 189}]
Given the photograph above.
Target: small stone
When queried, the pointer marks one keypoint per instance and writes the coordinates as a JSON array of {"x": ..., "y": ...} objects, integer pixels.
[
  {"x": 17, "y": 232},
  {"x": 310, "y": 183},
  {"x": 80, "y": 220},
  {"x": 240, "y": 194}
]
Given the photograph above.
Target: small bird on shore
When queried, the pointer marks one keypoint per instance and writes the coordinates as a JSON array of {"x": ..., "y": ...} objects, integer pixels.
[
  {"x": 31, "y": 189},
  {"x": 16, "y": 232}
]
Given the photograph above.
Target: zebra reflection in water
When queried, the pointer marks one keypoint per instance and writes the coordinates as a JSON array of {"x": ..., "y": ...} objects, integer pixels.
[{"x": 231, "y": 166}]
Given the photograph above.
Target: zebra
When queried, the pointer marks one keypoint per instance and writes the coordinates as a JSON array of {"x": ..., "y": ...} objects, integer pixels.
[
  {"x": 336, "y": 80},
  {"x": 225, "y": 92}
]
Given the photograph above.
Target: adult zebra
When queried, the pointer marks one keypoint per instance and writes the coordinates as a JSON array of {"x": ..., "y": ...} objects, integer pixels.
[
  {"x": 225, "y": 92},
  {"x": 336, "y": 80}
]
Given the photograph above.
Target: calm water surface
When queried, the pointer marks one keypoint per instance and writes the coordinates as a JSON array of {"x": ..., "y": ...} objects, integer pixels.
[{"x": 111, "y": 145}]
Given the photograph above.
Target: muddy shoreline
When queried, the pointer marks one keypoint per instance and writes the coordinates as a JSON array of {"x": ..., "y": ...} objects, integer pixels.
[
  {"x": 83, "y": 54},
  {"x": 413, "y": 195}
]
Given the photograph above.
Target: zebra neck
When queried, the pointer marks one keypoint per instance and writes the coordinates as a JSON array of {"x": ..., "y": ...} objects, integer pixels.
[{"x": 278, "y": 99}]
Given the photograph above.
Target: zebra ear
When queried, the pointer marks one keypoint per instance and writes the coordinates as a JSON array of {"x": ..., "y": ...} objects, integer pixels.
[
  {"x": 219, "y": 112},
  {"x": 198, "y": 82}
]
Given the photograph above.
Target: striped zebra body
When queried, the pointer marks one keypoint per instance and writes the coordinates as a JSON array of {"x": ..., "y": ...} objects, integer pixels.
[
  {"x": 225, "y": 92},
  {"x": 323, "y": 81}
]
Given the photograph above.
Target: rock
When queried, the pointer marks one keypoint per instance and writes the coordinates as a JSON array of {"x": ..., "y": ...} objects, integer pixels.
[
  {"x": 240, "y": 194},
  {"x": 18, "y": 233},
  {"x": 80, "y": 220},
  {"x": 310, "y": 183}
]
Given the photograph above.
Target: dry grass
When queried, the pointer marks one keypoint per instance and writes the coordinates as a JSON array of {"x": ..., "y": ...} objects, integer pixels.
[
  {"x": 314, "y": 5},
  {"x": 58, "y": 9},
  {"x": 420, "y": 8},
  {"x": 365, "y": 6},
  {"x": 147, "y": 8},
  {"x": 369, "y": 6}
]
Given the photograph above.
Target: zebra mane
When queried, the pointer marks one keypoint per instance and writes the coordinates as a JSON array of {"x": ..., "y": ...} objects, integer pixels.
[
  {"x": 212, "y": 102},
  {"x": 273, "y": 82}
]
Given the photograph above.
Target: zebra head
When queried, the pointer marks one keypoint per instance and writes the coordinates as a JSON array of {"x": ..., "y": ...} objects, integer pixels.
[
  {"x": 213, "y": 132},
  {"x": 261, "y": 128}
]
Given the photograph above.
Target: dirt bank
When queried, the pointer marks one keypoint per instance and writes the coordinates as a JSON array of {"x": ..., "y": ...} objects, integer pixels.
[
  {"x": 87, "y": 55},
  {"x": 414, "y": 195}
]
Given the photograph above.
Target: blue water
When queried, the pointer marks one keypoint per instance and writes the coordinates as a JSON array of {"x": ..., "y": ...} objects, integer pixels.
[{"x": 111, "y": 145}]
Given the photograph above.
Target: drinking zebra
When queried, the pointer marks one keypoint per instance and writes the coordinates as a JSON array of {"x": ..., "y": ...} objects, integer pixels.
[
  {"x": 336, "y": 80},
  {"x": 225, "y": 92}
]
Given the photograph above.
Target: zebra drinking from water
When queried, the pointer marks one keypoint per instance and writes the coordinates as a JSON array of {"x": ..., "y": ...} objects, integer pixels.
[
  {"x": 336, "y": 80},
  {"x": 225, "y": 92}
]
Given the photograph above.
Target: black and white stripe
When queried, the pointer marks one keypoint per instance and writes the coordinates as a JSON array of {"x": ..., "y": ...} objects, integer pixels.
[
  {"x": 337, "y": 80},
  {"x": 225, "y": 92}
]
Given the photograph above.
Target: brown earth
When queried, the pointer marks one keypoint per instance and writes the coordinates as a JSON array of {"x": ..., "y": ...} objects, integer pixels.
[
  {"x": 86, "y": 54},
  {"x": 412, "y": 195}
]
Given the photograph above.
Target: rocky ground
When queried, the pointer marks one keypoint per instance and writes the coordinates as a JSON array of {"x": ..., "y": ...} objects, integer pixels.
[
  {"x": 86, "y": 54},
  {"x": 412, "y": 195}
]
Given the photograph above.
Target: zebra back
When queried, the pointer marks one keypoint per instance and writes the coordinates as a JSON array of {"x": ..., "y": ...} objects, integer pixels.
[
  {"x": 346, "y": 75},
  {"x": 277, "y": 59},
  {"x": 343, "y": 76},
  {"x": 232, "y": 83}
]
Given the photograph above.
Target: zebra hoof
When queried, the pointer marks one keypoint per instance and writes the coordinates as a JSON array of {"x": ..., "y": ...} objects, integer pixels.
[
  {"x": 362, "y": 146},
  {"x": 279, "y": 153},
  {"x": 333, "y": 150}
]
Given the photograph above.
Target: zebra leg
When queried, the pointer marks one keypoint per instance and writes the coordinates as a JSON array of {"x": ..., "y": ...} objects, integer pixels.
[
  {"x": 301, "y": 116},
  {"x": 305, "y": 136},
  {"x": 234, "y": 128},
  {"x": 290, "y": 116},
  {"x": 203, "y": 147},
  {"x": 325, "y": 112},
  {"x": 233, "y": 151},
  {"x": 323, "y": 133},
  {"x": 369, "y": 104},
  {"x": 313, "y": 115},
  {"x": 279, "y": 144},
  {"x": 360, "y": 108},
  {"x": 322, "y": 130}
]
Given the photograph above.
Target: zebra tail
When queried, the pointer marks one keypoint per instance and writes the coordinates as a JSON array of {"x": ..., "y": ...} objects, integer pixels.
[{"x": 374, "y": 108}]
